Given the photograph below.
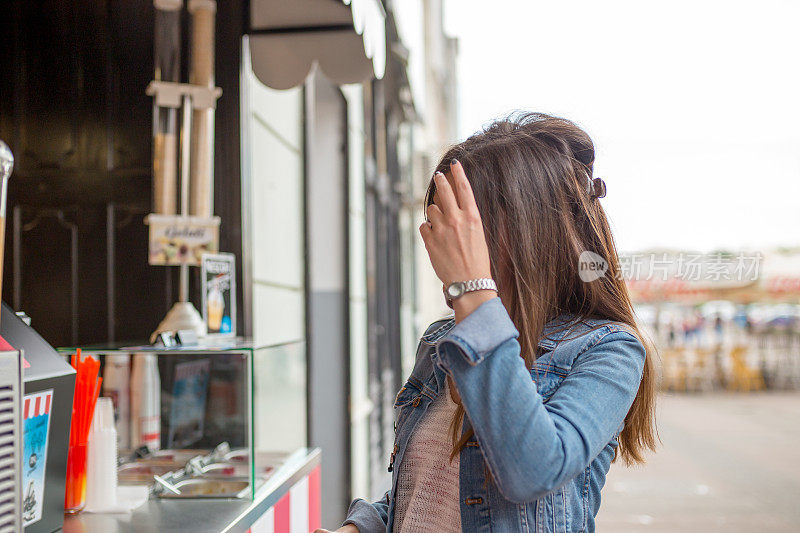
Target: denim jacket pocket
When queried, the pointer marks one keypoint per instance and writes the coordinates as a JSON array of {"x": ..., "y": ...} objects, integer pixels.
[
  {"x": 408, "y": 397},
  {"x": 551, "y": 512},
  {"x": 405, "y": 396}
]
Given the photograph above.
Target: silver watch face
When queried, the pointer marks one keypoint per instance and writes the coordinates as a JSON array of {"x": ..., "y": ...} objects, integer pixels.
[{"x": 454, "y": 290}]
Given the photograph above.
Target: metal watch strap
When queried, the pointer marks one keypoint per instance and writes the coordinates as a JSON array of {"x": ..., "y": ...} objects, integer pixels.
[
  {"x": 460, "y": 288},
  {"x": 480, "y": 284}
]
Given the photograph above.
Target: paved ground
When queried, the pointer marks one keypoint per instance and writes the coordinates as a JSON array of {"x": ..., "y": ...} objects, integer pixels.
[{"x": 729, "y": 463}]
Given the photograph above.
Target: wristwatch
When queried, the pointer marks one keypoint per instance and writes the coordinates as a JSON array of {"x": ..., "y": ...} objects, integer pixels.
[{"x": 459, "y": 288}]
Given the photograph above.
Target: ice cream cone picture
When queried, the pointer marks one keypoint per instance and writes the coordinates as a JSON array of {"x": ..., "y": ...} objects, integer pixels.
[
  {"x": 216, "y": 308},
  {"x": 219, "y": 293}
]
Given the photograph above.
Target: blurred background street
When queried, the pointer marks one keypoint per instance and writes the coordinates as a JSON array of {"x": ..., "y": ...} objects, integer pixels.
[{"x": 729, "y": 462}]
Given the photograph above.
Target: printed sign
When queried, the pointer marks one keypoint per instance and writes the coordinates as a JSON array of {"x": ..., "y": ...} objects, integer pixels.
[
  {"x": 36, "y": 429},
  {"x": 219, "y": 293},
  {"x": 181, "y": 240},
  {"x": 189, "y": 395}
]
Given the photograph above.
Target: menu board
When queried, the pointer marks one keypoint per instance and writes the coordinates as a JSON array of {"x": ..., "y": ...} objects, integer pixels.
[
  {"x": 219, "y": 293},
  {"x": 181, "y": 240}
]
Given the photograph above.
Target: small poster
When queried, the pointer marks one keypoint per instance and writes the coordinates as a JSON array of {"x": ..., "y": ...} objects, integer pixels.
[
  {"x": 36, "y": 430},
  {"x": 189, "y": 394},
  {"x": 219, "y": 293},
  {"x": 181, "y": 240}
]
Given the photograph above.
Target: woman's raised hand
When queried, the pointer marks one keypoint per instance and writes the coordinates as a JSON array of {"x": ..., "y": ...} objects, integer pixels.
[{"x": 454, "y": 237}]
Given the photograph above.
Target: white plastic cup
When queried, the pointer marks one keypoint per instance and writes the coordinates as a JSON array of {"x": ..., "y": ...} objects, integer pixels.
[{"x": 101, "y": 459}]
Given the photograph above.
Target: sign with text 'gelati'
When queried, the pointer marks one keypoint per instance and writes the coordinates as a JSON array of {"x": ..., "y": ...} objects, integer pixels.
[
  {"x": 219, "y": 293},
  {"x": 181, "y": 240}
]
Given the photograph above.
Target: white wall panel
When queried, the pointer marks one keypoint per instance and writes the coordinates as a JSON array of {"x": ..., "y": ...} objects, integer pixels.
[
  {"x": 279, "y": 398},
  {"x": 280, "y": 110},
  {"x": 277, "y": 223},
  {"x": 279, "y": 314},
  {"x": 275, "y": 227}
]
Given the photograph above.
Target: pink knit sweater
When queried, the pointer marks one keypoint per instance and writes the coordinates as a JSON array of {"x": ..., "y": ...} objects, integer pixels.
[{"x": 427, "y": 482}]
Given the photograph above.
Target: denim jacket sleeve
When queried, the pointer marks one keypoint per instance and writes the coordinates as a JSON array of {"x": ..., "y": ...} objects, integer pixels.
[
  {"x": 369, "y": 517},
  {"x": 531, "y": 447}
]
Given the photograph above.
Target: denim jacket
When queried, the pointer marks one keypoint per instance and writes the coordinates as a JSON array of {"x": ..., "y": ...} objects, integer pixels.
[{"x": 546, "y": 435}]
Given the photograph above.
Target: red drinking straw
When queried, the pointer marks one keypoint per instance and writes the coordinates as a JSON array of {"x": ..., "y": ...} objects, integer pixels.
[{"x": 87, "y": 389}]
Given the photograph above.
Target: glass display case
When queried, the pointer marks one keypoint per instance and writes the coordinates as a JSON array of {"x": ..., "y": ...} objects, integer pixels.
[{"x": 213, "y": 420}]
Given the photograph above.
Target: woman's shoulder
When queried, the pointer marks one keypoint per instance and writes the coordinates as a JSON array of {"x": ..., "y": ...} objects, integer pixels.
[
  {"x": 599, "y": 342},
  {"x": 581, "y": 334},
  {"x": 423, "y": 367},
  {"x": 437, "y": 329}
]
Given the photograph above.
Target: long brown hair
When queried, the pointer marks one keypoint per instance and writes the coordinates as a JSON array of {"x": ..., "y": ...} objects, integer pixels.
[{"x": 530, "y": 174}]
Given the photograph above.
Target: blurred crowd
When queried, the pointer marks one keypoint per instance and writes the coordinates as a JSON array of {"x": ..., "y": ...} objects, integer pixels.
[{"x": 720, "y": 345}]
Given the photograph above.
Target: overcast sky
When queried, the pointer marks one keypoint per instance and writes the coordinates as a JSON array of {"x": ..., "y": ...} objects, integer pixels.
[{"x": 694, "y": 106}]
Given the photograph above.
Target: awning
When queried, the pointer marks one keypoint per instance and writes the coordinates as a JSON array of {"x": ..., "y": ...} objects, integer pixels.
[{"x": 345, "y": 37}]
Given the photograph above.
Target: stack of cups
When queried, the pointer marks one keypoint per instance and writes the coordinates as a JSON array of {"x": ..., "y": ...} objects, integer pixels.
[{"x": 101, "y": 467}]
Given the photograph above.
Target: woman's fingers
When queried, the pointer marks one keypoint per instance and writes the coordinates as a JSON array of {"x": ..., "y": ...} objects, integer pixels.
[
  {"x": 424, "y": 231},
  {"x": 435, "y": 215},
  {"x": 446, "y": 195},
  {"x": 464, "y": 194}
]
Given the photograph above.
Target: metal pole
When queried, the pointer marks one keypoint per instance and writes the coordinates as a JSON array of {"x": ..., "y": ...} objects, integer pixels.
[
  {"x": 110, "y": 259},
  {"x": 74, "y": 273},
  {"x": 17, "y": 244},
  {"x": 186, "y": 128},
  {"x": 6, "y": 167}
]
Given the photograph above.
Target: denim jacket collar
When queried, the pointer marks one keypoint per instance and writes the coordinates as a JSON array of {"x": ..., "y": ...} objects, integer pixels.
[{"x": 556, "y": 329}]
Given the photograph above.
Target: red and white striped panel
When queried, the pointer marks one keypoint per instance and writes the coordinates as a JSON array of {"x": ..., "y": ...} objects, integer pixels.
[
  {"x": 37, "y": 403},
  {"x": 298, "y": 511}
]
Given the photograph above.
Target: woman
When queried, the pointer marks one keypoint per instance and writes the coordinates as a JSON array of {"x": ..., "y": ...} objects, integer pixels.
[{"x": 554, "y": 377}]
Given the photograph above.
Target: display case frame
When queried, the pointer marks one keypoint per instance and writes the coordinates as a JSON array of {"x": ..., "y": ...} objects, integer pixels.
[{"x": 272, "y": 363}]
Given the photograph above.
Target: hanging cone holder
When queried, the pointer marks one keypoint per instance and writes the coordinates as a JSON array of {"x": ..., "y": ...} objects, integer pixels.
[
  {"x": 183, "y": 315},
  {"x": 197, "y": 101}
]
